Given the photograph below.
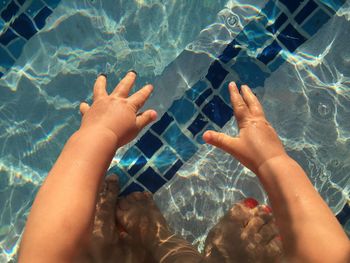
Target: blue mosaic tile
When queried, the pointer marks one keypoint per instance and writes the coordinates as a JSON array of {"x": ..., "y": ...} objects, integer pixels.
[
  {"x": 160, "y": 126},
  {"x": 278, "y": 23},
  {"x": 344, "y": 215},
  {"x": 291, "y": 38},
  {"x": 203, "y": 97},
  {"x": 256, "y": 35},
  {"x": 230, "y": 52},
  {"x": 24, "y": 26},
  {"x": 172, "y": 171},
  {"x": 197, "y": 125},
  {"x": 149, "y": 144},
  {"x": 182, "y": 110},
  {"x": 123, "y": 177},
  {"x": 133, "y": 187},
  {"x": 179, "y": 142},
  {"x": 52, "y": 3},
  {"x": 305, "y": 12},
  {"x": 16, "y": 47},
  {"x": 193, "y": 93},
  {"x": 6, "y": 60},
  {"x": 164, "y": 159},
  {"x": 225, "y": 94},
  {"x": 7, "y": 36},
  {"x": 40, "y": 18},
  {"x": 129, "y": 157},
  {"x": 2, "y": 24},
  {"x": 292, "y": 5},
  {"x": 10, "y": 11},
  {"x": 151, "y": 180},
  {"x": 274, "y": 65},
  {"x": 334, "y": 4},
  {"x": 21, "y": 2},
  {"x": 270, "y": 52},
  {"x": 316, "y": 22},
  {"x": 3, "y": 4},
  {"x": 249, "y": 72},
  {"x": 140, "y": 162},
  {"x": 216, "y": 74},
  {"x": 1, "y": 74},
  {"x": 271, "y": 11},
  {"x": 34, "y": 8},
  {"x": 218, "y": 111}
]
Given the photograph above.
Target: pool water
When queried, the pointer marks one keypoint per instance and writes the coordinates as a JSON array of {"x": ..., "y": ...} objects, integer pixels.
[{"x": 293, "y": 53}]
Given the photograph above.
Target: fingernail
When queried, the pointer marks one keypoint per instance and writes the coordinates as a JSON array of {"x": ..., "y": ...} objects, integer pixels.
[
  {"x": 154, "y": 115},
  {"x": 267, "y": 209},
  {"x": 250, "y": 203},
  {"x": 133, "y": 71},
  {"x": 207, "y": 136},
  {"x": 102, "y": 74}
]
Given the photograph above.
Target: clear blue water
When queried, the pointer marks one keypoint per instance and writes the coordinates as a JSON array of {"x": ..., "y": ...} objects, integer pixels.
[{"x": 172, "y": 44}]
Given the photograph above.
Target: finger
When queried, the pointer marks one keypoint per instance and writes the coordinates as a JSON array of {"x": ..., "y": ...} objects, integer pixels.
[
  {"x": 239, "y": 106},
  {"x": 139, "y": 98},
  {"x": 100, "y": 87},
  {"x": 252, "y": 101},
  {"x": 125, "y": 85},
  {"x": 222, "y": 141},
  {"x": 145, "y": 118},
  {"x": 84, "y": 107}
]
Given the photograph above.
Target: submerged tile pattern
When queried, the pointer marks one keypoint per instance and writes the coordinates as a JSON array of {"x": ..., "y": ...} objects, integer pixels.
[
  {"x": 280, "y": 28},
  {"x": 20, "y": 20}
]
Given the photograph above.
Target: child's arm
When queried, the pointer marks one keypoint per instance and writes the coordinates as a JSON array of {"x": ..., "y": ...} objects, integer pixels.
[
  {"x": 310, "y": 232},
  {"x": 62, "y": 215}
]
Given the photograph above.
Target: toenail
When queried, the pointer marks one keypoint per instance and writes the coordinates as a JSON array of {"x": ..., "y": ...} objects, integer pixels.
[
  {"x": 250, "y": 203},
  {"x": 267, "y": 209}
]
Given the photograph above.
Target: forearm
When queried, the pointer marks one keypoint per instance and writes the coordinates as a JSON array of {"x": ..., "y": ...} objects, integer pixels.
[
  {"x": 70, "y": 189},
  {"x": 302, "y": 215}
]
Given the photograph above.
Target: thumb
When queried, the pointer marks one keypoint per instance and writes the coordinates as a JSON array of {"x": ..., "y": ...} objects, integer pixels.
[
  {"x": 224, "y": 142},
  {"x": 145, "y": 118}
]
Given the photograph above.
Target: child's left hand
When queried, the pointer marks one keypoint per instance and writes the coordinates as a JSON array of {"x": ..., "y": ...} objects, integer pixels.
[{"x": 117, "y": 112}]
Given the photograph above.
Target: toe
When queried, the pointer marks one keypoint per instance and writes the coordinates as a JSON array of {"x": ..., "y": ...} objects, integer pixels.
[
  {"x": 239, "y": 214},
  {"x": 263, "y": 212},
  {"x": 148, "y": 195},
  {"x": 268, "y": 232},
  {"x": 135, "y": 196},
  {"x": 252, "y": 228},
  {"x": 250, "y": 202},
  {"x": 275, "y": 248},
  {"x": 112, "y": 185},
  {"x": 139, "y": 196},
  {"x": 123, "y": 204}
]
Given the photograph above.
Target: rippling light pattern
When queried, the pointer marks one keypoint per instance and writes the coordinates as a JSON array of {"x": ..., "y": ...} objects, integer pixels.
[{"x": 307, "y": 100}]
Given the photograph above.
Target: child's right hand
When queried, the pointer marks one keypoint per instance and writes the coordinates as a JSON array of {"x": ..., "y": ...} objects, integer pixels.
[{"x": 257, "y": 141}]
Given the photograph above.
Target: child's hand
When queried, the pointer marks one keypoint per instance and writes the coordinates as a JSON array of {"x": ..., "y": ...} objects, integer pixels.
[
  {"x": 118, "y": 113},
  {"x": 257, "y": 141}
]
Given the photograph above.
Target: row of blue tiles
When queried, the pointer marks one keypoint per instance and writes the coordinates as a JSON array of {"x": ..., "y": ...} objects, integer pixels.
[
  {"x": 344, "y": 218},
  {"x": 19, "y": 21},
  {"x": 281, "y": 27}
]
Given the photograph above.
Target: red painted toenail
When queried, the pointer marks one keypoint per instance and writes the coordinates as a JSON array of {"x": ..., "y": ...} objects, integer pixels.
[
  {"x": 267, "y": 209},
  {"x": 250, "y": 203},
  {"x": 279, "y": 237}
]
